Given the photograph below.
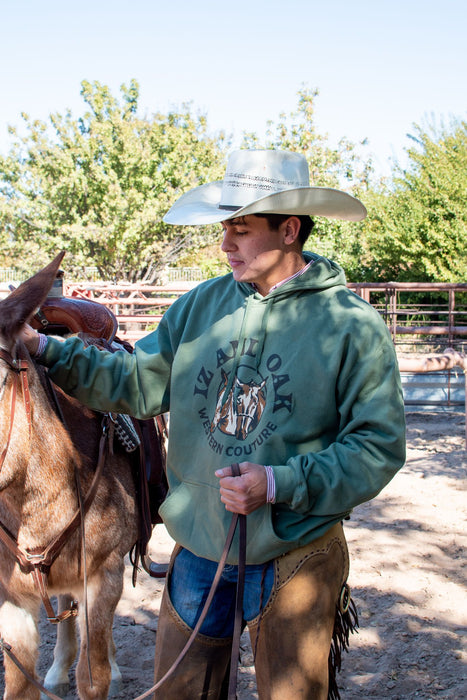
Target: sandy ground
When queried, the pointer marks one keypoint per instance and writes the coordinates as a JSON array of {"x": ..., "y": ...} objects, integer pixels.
[{"x": 407, "y": 575}]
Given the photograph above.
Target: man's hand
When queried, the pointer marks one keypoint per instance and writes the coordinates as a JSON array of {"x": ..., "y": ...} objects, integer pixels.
[
  {"x": 30, "y": 338},
  {"x": 245, "y": 493}
]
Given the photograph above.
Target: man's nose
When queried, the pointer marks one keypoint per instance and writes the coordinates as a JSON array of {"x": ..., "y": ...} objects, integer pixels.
[{"x": 227, "y": 243}]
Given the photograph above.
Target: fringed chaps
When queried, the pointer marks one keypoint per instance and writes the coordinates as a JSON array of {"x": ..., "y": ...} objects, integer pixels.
[{"x": 299, "y": 637}]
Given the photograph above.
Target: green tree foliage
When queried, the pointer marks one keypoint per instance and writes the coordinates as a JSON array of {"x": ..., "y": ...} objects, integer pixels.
[
  {"x": 98, "y": 187},
  {"x": 343, "y": 166},
  {"x": 417, "y": 229}
]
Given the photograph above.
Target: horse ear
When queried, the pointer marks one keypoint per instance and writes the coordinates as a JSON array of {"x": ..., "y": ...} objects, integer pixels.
[{"x": 23, "y": 301}]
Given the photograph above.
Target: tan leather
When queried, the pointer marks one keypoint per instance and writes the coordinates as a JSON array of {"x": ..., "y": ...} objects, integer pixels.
[
  {"x": 201, "y": 673},
  {"x": 293, "y": 636},
  {"x": 288, "y": 564}
]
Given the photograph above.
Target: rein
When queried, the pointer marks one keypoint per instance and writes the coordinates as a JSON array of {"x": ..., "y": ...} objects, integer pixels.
[
  {"x": 238, "y": 624},
  {"x": 232, "y": 694},
  {"x": 19, "y": 367},
  {"x": 236, "y": 518},
  {"x": 39, "y": 562},
  {"x": 6, "y": 648}
]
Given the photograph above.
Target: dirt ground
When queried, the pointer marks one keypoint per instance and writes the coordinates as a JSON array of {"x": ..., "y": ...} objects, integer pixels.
[{"x": 407, "y": 550}]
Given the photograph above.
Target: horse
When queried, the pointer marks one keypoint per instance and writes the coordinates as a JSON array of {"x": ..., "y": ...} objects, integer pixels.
[{"x": 47, "y": 458}]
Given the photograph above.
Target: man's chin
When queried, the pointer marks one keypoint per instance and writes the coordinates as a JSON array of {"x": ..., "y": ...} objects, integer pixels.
[{"x": 239, "y": 277}]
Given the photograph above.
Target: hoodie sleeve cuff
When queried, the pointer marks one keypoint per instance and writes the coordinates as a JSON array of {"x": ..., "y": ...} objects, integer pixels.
[
  {"x": 51, "y": 352},
  {"x": 286, "y": 483}
]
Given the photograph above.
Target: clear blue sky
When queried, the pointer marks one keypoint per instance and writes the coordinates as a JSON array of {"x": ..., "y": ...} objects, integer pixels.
[{"x": 379, "y": 66}]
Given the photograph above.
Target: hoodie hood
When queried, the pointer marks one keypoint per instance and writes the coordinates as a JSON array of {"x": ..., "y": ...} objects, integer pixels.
[{"x": 322, "y": 274}]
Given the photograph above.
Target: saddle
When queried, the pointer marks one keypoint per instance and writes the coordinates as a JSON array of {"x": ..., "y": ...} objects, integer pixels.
[
  {"x": 145, "y": 439},
  {"x": 63, "y": 315}
]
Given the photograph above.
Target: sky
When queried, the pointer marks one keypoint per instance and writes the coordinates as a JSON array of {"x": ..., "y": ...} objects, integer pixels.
[{"x": 379, "y": 66}]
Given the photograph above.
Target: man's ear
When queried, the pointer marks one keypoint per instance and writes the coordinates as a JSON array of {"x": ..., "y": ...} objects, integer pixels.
[{"x": 291, "y": 229}]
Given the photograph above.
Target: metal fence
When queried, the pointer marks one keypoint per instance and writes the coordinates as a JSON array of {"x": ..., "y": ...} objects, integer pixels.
[
  {"x": 8, "y": 274},
  {"x": 421, "y": 316}
]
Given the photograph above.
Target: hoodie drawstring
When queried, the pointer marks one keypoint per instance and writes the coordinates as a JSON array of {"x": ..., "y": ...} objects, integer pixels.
[{"x": 241, "y": 341}]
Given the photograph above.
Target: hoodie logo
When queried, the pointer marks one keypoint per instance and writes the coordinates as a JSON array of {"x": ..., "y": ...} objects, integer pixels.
[
  {"x": 236, "y": 405},
  {"x": 242, "y": 409}
]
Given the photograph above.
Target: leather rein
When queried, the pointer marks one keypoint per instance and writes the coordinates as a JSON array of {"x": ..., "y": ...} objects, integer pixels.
[
  {"x": 39, "y": 561},
  {"x": 238, "y": 623}
]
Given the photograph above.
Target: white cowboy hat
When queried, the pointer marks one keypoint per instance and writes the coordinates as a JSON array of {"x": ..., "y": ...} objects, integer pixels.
[{"x": 263, "y": 182}]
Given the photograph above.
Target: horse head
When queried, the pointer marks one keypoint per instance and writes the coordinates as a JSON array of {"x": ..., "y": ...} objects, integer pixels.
[
  {"x": 242, "y": 409},
  {"x": 251, "y": 400}
]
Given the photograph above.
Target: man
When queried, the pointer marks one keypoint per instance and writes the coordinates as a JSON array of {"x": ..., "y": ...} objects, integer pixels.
[{"x": 277, "y": 367}]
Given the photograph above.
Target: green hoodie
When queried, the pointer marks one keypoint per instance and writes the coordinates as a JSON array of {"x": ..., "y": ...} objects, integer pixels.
[{"x": 304, "y": 379}]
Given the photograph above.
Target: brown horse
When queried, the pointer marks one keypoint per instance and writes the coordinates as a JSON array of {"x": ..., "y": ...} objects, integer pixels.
[{"x": 40, "y": 453}]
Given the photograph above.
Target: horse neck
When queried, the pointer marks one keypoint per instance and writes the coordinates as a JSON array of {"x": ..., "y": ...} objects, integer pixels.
[{"x": 39, "y": 461}]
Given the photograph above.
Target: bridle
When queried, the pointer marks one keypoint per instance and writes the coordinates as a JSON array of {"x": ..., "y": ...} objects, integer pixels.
[
  {"x": 39, "y": 561},
  {"x": 19, "y": 367}
]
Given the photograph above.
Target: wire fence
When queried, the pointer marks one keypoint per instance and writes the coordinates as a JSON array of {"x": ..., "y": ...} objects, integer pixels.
[
  {"x": 171, "y": 274},
  {"x": 184, "y": 274},
  {"x": 8, "y": 274}
]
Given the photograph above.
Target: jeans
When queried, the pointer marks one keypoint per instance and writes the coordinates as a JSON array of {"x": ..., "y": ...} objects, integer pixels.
[{"x": 190, "y": 582}]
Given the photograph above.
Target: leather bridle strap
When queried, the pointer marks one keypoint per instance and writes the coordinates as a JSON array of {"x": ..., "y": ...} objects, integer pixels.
[
  {"x": 239, "y": 605},
  {"x": 204, "y": 612},
  {"x": 12, "y": 416},
  {"x": 19, "y": 367},
  {"x": 238, "y": 625},
  {"x": 6, "y": 648},
  {"x": 39, "y": 563}
]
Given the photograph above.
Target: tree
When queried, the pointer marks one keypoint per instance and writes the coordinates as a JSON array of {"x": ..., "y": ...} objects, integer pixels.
[
  {"x": 417, "y": 228},
  {"x": 98, "y": 186}
]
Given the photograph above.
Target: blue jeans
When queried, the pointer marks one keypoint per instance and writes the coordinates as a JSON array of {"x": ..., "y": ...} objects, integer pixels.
[{"x": 189, "y": 584}]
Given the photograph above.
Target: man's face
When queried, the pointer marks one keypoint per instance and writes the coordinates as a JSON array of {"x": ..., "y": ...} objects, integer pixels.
[{"x": 255, "y": 252}]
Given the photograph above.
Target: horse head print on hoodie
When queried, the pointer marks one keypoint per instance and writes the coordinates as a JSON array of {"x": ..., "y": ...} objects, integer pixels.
[{"x": 241, "y": 411}]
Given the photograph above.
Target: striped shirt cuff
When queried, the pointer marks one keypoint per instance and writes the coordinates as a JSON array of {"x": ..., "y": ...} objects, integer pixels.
[
  {"x": 42, "y": 345},
  {"x": 271, "y": 485}
]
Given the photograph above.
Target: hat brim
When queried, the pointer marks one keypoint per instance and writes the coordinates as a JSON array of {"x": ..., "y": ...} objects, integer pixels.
[{"x": 201, "y": 205}]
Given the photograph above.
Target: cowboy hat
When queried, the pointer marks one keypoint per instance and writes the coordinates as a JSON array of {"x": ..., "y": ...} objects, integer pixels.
[{"x": 263, "y": 182}]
